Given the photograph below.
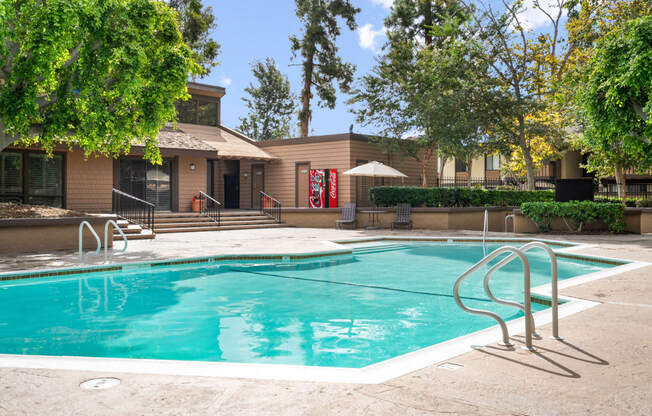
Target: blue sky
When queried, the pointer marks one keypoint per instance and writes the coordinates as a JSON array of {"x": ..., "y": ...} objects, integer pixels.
[{"x": 250, "y": 30}]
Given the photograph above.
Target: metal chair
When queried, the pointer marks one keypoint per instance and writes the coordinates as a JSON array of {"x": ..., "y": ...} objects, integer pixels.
[
  {"x": 348, "y": 216},
  {"x": 403, "y": 216}
]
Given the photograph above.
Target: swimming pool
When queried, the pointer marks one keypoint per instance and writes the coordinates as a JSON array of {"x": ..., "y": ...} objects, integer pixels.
[{"x": 347, "y": 310}]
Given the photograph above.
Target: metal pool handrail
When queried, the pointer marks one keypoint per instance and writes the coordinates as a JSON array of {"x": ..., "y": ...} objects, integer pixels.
[
  {"x": 554, "y": 284},
  {"x": 106, "y": 239},
  {"x": 526, "y": 280},
  {"x": 485, "y": 228},
  {"x": 81, "y": 244}
]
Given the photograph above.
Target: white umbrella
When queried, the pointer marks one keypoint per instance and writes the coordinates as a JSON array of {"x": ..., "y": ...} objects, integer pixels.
[{"x": 375, "y": 170}]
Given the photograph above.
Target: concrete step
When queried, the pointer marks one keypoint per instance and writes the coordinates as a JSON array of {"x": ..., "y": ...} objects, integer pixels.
[
  {"x": 201, "y": 219},
  {"x": 236, "y": 213},
  {"x": 215, "y": 228},
  {"x": 195, "y": 224}
]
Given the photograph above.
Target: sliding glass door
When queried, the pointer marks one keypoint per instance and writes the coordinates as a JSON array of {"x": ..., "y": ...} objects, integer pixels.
[{"x": 146, "y": 181}]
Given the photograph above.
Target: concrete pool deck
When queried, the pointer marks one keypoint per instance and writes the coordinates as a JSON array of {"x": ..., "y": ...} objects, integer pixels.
[{"x": 604, "y": 365}]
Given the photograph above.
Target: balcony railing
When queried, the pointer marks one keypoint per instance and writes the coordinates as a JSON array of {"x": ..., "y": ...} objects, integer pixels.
[
  {"x": 210, "y": 207},
  {"x": 133, "y": 209},
  {"x": 270, "y": 206}
]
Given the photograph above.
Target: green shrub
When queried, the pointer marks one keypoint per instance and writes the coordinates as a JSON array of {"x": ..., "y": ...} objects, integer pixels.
[
  {"x": 629, "y": 202},
  {"x": 578, "y": 212},
  {"x": 455, "y": 197}
]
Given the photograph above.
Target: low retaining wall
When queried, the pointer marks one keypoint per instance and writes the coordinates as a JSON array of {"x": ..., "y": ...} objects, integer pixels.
[
  {"x": 21, "y": 235},
  {"x": 638, "y": 221},
  {"x": 424, "y": 218}
]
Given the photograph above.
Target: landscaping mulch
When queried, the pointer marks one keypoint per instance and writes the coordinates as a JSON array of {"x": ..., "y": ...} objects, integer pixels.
[{"x": 14, "y": 210}]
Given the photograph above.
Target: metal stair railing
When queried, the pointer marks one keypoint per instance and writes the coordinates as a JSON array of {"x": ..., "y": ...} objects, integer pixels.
[
  {"x": 527, "y": 308},
  {"x": 106, "y": 239},
  {"x": 132, "y": 209},
  {"x": 210, "y": 207},
  {"x": 270, "y": 206},
  {"x": 553, "y": 284},
  {"x": 82, "y": 256}
]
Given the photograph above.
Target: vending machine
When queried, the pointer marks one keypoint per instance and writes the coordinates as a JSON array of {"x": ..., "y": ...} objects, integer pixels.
[{"x": 323, "y": 188}]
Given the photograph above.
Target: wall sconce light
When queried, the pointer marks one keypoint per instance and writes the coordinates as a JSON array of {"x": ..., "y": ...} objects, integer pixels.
[
  {"x": 245, "y": 174},
  {"x": 192, "y": 166}
]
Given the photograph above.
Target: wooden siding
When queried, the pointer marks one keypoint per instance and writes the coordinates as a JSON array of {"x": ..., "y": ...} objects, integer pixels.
[
  {"x": 245, "y": 182},
  {"x": 88, "y": 182},
  {"x": 190, "y": 181},
  {"x": 280, "y": 174}
]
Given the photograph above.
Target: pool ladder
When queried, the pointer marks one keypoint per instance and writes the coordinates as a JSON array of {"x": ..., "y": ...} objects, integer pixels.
[
  {"x": 526, "y": 306},
  {"x": 84, "y": 256}
]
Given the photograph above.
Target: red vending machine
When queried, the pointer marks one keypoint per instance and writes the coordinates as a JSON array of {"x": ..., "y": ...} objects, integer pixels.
[{"x": 323, "y": 188}]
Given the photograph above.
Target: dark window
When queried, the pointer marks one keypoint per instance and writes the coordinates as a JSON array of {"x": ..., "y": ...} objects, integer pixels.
[
  {"x": 207, "y": 113},
  {"x": 492, "y": 162},
  {"x": 32, "y": 178},
  {"x": 460, "y": 166},
  {"x": 187, "y": 111}
]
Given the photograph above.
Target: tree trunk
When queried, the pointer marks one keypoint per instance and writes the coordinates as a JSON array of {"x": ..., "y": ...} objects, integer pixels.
[
  {"x": 305, "y": 115},
  {"x": 441, "y": 171},
  {"x": 527, "y": 157},
  {"x": 621, "y": 179},
  {"x": 469, "y": 166},
  {"x": 427, "y": 22},
  {"x": 424, "y": 173}
]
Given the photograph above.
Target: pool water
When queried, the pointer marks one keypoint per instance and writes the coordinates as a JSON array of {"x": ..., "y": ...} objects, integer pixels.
[{"x": 341, "y": 311}]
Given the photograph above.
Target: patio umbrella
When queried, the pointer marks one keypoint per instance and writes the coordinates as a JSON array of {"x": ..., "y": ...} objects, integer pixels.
[{"x": 375, "y": 170}]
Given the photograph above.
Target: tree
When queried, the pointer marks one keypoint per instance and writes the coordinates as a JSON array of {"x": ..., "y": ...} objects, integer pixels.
[
  {"x": 419, "y": 82},
  {"x": 98, "y": 74},
  {"x": 616, "y": 102},
  {"x": 321, "y": 64},
  {"x": 196, "y": 22},
  {"x": 524, "y": 70},
  {"x": 271, "y": 104}
]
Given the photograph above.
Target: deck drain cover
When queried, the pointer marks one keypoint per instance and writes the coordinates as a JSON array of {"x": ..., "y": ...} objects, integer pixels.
[
  {"x": 100, "y": 383},
  {"x": 450, "y": 366}
]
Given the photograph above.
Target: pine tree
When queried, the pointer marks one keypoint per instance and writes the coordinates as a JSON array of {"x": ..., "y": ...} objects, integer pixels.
[
  {"x": 271, "y": 103},
  {"x": 321, "y": 64},
  {"x": 195, "y": 23}
]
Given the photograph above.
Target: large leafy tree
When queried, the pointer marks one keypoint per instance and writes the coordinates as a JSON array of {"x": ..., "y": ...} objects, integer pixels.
[
  {"x": 419, "y": 82},
  {"x": 196, "y": 22},
  {"x": 99, "y": 74},
  {"x": 318, "y": 52},
  {"x": 615, "y": 99},
  {"x": 271, "y": 103},
  {"x": 524, "y": 70}
]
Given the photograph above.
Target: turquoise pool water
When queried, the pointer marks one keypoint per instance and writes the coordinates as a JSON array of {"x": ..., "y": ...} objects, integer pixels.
[{"x": 342, "y": 311}]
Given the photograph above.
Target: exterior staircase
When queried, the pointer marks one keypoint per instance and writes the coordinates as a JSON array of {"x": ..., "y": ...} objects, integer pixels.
[
  {"x": 132, "y": 231},
  {"x": 183, "y": 222}
]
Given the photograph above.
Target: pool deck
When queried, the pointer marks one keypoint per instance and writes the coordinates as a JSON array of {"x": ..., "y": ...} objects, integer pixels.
[{"x": 603, "y": 366}]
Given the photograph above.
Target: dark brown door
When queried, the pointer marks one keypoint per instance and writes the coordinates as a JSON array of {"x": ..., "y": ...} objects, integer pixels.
[
  {"x": 257, "y": 184},
  {"x": 303, "y": 184},
  {"x": 231, "y": 191}
]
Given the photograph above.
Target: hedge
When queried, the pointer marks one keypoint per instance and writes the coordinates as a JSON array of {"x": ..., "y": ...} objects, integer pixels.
[
  {"x": 579, "y": 213},
  {"x": 629, "y": 202},
  {"x": 455, "y": 197}
]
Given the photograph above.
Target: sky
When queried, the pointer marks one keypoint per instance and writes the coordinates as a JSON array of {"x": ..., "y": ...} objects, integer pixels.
[{"x": 250, "y": 30}]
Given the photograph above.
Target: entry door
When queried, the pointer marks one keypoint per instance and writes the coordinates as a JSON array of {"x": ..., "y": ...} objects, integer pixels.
[
  {"x": 303, "y": 184},
  {"x": 257, "y": 184},
  {"x": 231, "y": 191}
]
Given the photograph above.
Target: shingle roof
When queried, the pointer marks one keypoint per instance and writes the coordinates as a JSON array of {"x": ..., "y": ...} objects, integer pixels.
[
  {"x": 170, "y": 138},
  {"x": 227, "y": 143}
]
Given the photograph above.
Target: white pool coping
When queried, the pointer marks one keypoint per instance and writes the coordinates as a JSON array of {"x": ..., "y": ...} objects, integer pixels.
[{"x": 372, "y": 374}]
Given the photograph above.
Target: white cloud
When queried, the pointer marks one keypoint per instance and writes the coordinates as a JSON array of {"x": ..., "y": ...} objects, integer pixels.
[
  {"x": 532, "y": 18},
  {"x": 369, "y": 37},
  {"x": 385, "y": 3},
  {"x": 226, "y": 81}
]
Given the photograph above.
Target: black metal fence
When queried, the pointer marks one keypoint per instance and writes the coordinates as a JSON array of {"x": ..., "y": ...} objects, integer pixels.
[
  {"x": 633, "y": 189},
  {"x": 133, "y": 209},
  {"x": 210, "y": 208},
  {"x": 461, "y": 182},
  {"x": 270, "y": 206}
]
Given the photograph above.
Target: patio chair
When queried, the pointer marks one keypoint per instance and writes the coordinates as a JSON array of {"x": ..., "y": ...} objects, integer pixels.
[
  {"x": 348, "y": 216},
  {"x": 403, "y": 216}
]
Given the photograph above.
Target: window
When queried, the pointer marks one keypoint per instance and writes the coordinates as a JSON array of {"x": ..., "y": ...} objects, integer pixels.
[
  {"x": 460, "y": 166},
  {"x": 492, "y": 162},
  {"x": 32, "y": 178},
  {"x": 198, "y": 111}
]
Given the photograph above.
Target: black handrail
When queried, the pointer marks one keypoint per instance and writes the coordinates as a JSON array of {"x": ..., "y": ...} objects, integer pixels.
[
  {"x": 210, "y": 207},
  {"x": 270, "y": 206},
  {"x": 133, "y": 209}
]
